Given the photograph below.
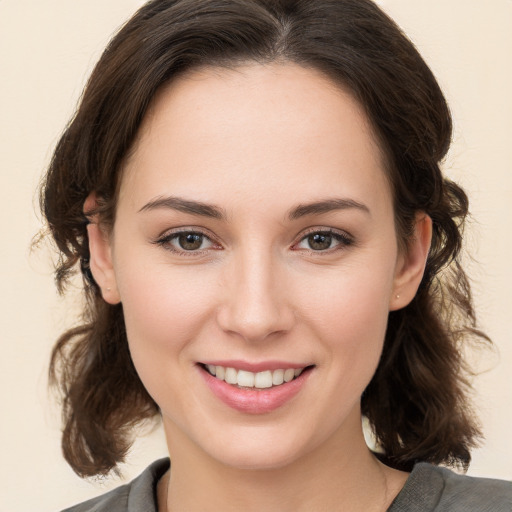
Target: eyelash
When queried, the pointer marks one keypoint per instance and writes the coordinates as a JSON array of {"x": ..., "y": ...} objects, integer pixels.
[
  {"x": 165, "y": 242},
  {"x": 343, "y": 240}
]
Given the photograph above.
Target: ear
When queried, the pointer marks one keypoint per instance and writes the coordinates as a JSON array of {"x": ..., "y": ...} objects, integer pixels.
[
  {"x": 411, "y": 263},
  {"x": 100, "y": 259}
]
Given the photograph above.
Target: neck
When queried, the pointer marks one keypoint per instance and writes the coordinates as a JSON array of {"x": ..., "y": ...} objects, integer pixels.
[{"x": 340, "y": 475}]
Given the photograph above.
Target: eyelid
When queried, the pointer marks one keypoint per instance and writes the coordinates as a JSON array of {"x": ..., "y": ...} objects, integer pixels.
[
  {"x": 164, "y": 239},
  {"x": 345, "y": 239}
]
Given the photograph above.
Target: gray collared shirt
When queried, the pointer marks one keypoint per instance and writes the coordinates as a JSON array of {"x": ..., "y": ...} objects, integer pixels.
[{"x": 428, "y": 489}]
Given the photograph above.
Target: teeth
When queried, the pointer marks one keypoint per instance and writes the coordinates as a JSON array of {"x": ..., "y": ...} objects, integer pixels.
[
  {"x": 220, "y": 372},
  {"x": 263, "y": 380},
  {"x": 231, "y": 376},
  {"x": 260, "y": 380},
  {"x": 245, "y": 379},
  {"x": 277, "y": 377},
  {"x": 289, "y": 374}
]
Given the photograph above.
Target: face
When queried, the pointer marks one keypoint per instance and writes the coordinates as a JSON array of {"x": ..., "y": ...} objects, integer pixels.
[{"x": 255, "y": 240}]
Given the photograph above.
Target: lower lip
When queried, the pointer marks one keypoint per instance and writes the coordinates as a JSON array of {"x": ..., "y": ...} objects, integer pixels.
[{"x": 255, "y": 401}]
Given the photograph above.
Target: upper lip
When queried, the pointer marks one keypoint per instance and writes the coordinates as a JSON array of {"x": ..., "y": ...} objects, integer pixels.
[{"x": 256, "y": 367}]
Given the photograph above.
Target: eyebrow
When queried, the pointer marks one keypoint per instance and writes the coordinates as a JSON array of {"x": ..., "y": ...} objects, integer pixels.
[
  {"x": 212, "y": 211},
  {"x": 326, "y": 206},
  {"x": 185, "y": 206}
]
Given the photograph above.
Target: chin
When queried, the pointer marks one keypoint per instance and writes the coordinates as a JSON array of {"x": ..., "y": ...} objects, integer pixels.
[
  {"x": 257, "y": 460},
  {"x": 256, "y": 450}
]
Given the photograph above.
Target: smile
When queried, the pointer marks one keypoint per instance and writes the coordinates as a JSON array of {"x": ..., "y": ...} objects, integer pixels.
[
  {"x": 270, "y": 386},
  {"x": 260, "y": 380}
]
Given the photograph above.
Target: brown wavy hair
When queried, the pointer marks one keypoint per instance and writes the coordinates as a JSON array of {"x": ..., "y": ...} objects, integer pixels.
[{"x": 417, "y": 401}]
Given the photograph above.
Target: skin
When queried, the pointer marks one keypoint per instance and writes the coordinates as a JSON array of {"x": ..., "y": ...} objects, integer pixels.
[{"x": 257, "y": 142}]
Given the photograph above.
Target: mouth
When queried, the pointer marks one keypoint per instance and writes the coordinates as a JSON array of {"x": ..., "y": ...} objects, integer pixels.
[
  {"x": 261, "y": 380},
  {"x": 268, "y": 387}
]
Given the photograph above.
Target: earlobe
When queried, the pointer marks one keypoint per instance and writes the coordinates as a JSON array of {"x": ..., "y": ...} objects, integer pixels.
[
  {"x": 100, "y": 260},
  {"x": 411, "y": 264}
]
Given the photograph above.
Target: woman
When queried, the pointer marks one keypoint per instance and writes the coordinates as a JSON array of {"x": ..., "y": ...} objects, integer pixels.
[{"x": 252, "y": 190}]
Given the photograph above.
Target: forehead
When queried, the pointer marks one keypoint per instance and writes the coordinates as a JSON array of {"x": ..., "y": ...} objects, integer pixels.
[{"x": 257, "y": 127}]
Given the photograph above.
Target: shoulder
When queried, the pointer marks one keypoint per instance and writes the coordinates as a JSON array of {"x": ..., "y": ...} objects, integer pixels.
[
  {"x": 138, "y": 495},
  {"x": 432, "y": 488}
]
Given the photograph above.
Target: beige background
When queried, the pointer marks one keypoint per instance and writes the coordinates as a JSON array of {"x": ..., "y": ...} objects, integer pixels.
[{"x": 47, "y": 49}]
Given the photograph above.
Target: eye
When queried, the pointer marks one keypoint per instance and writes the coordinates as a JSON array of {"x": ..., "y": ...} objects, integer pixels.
[
  {"x": 186, "y": 242},
  {"x": 322, "y": 241},
  {"x": 190, "y": 241}
]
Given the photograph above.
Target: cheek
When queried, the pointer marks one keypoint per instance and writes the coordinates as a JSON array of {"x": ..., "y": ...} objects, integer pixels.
[
  {"x": 354, "y": 298},
  {"x": 355, "y": 331},
  {"x": 348, "y": 314},
  {"x": 164, "y": 311},
  {"x": 162, "y": 301}
]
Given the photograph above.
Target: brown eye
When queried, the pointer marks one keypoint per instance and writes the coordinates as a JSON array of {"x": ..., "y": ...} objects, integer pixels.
[
  {"x": 190, "y": 241},
  {"x": 319, "y": 241},
  {"x": 325, "y": 241}
]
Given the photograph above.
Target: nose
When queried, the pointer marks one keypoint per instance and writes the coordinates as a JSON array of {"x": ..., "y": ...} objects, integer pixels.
[{"x": 256, "y": 304}]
